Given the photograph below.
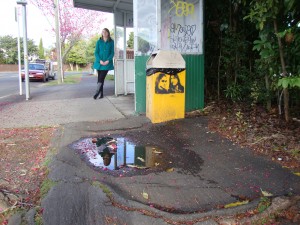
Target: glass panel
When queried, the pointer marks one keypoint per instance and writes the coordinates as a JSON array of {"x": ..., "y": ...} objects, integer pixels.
[
  {"x": 130, "y": 43},
  {"x": 146, "y": 26},
  {"x": 181, "y": 27},
  {"x": 119, "y": 42}
]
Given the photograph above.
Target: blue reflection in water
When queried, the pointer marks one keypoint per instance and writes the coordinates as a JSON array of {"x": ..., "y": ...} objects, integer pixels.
[{"x": 127, "y": 154}]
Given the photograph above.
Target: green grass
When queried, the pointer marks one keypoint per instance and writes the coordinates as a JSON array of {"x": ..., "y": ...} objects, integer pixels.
[
  {"x": 46, "y": 186},
  {"x": 70, "y": 79},
  {"x": 110, "y": 77}
]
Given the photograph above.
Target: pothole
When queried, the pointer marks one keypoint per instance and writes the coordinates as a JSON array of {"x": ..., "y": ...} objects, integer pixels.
[{"x": 119, "y": 156}]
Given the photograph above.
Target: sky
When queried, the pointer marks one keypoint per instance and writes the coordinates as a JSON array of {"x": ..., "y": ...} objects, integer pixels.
[{"x": 37, "y": 24}]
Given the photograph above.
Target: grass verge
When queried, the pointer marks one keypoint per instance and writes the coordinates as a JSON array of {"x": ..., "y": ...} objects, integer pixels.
[{"x": 70, "y": 79}]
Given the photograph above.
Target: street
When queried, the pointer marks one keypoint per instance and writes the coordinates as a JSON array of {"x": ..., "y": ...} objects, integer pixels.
[
  {"x": 9, "y": 88},
  {"x": 9, "y": 84}
]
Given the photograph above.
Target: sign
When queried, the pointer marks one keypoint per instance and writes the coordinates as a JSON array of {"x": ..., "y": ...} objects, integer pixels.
[{"x": 182, "y": 26}]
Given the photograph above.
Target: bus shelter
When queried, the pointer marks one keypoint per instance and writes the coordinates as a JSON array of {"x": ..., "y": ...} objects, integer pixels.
[{"x": 158, "y": 24}]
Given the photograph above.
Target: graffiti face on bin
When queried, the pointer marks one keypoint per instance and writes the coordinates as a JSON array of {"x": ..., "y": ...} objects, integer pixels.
[{"x": 168, "y": 84}]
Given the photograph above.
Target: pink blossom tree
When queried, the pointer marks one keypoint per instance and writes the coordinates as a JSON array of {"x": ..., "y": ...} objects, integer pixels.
[{"x": 75, "y": 23}]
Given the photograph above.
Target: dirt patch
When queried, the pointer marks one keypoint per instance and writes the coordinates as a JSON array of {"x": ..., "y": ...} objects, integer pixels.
[
  {"x": 22, "y": 155},
  {"x": 263, "y": 132}
]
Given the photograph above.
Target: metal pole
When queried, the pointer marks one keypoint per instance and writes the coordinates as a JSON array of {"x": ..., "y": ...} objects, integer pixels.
[
  {"x": 125, "y": 55},
  {"x": 116, "y": 58},
  {"x": 19, "y": 51},
  {"x": 25, "y": 52},
  {"x": 57, "y": 32}
]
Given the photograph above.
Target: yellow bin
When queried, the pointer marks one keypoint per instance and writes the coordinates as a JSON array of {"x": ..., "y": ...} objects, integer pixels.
[{"x": 165, "y": 86}]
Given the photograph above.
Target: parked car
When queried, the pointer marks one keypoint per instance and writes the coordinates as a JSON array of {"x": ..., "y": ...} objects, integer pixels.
[{"x": 37, "y": 71}]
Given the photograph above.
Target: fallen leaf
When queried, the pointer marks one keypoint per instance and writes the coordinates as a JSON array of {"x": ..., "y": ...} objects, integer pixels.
[
  {"x": 137, "y": 167},
  {"x": 266, "y": 194},
  {"x": 145, "y": 195},
  {"x": 156, "y": 164},
  {"x": 170, "y": 170},
  {"x": 141, "y": 159},
  {"x": 297, "y": 173},
  {"x": 235, "y": 204},
  {"x": 157, "y": 152}
]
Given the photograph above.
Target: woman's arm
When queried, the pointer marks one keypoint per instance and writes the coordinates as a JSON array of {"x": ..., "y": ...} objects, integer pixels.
[{"x": 97, "y": 55}]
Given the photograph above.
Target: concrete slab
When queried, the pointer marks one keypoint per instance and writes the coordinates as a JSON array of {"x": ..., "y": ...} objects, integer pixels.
[{"x": 56, "y": 112}]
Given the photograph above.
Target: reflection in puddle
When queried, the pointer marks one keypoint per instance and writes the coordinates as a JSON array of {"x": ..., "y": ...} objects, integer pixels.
[{"x": 126, "y": 155}]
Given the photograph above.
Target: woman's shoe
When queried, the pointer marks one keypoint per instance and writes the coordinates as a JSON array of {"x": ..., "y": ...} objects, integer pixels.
[{"x": 99, "y": 85}]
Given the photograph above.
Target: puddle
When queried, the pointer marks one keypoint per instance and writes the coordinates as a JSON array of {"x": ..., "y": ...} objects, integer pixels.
[{"x": 127, "y": 159}]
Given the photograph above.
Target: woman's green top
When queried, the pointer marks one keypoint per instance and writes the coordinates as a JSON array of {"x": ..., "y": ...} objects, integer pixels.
[{"x": 104, "y": 51}]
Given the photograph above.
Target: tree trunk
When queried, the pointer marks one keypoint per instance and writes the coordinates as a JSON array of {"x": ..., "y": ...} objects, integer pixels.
[
  {"x": 284, "y": 74},
  {"x": 71, "y": 66},
  {"x": 268, "y": 92},
  {"x": 219, "y": 64}
]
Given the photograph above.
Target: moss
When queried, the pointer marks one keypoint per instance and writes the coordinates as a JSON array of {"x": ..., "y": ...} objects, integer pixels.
[
  {"x": 104, "y": 188},
  {"x": 264, "y": 203},
  {"x": 46, "y": 186},
  {"x": 38, "y": 218}
]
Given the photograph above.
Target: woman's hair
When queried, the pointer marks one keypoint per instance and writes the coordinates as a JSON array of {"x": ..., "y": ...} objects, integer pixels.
[
  {"x": 160, "y": 76},
  {"x": 179, "y": 85},
  {"x": 108, "y": 38}
]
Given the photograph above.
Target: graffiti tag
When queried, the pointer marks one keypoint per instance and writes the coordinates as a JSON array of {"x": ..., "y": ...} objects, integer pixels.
[{"x": 182, "y": 8}]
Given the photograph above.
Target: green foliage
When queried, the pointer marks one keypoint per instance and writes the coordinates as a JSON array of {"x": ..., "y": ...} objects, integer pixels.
[
  {"x": 9, "y": 49},
  {"x": 234, "y": 92},
  {"x": 41, "y": 50},
  {"x": 77, "y": 55},
  {"x": 90, "y": 49},
  {"x": 130, "y": 42},
  {"x": 264, "y": 203},
  {"x": 261, "y": 11},
  {"x": 289, "y": 82}
]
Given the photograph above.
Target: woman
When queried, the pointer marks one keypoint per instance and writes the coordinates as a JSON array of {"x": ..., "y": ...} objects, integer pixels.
[
  {"x": 104, "y": 53},
  {"x": 175, "y": 85},
  {"x": 162, "y": 84}
]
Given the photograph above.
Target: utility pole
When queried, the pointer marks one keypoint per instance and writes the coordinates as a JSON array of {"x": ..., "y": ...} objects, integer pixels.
[
  {"x": 24, "y": 3},
  {"x": 19, "y": 49},
  {"x": 60, "y": 78}
]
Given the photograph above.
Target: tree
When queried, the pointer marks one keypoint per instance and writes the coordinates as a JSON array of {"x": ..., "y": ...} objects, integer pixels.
[
  {"x": 130, "y": 42},
  {"x": 75, "y": 23},
  {"x": 77, "y": 55},
  {"x": 2, "y": 59},
  {"x": 90, "y": 49},
  {"x": 41, "y": 50},
  {"x": 8, "y": 46},
  {"x": 247, "y": 36},
  {"x": 273, "y": 17}
]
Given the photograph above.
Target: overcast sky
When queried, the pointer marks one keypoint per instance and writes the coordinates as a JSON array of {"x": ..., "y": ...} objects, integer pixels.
[{"x": 37, "y": 24}]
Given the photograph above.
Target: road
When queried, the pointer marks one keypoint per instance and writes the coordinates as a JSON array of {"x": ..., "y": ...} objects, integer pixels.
[
  {"x": 9, "y": 84},
  {"x": 9, "y": 88}
]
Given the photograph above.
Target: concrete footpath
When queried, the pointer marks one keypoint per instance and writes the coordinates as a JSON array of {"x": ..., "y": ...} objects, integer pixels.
[
  {"x": 184, "y": 175},
  {"x": 205, "y": 173}
]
